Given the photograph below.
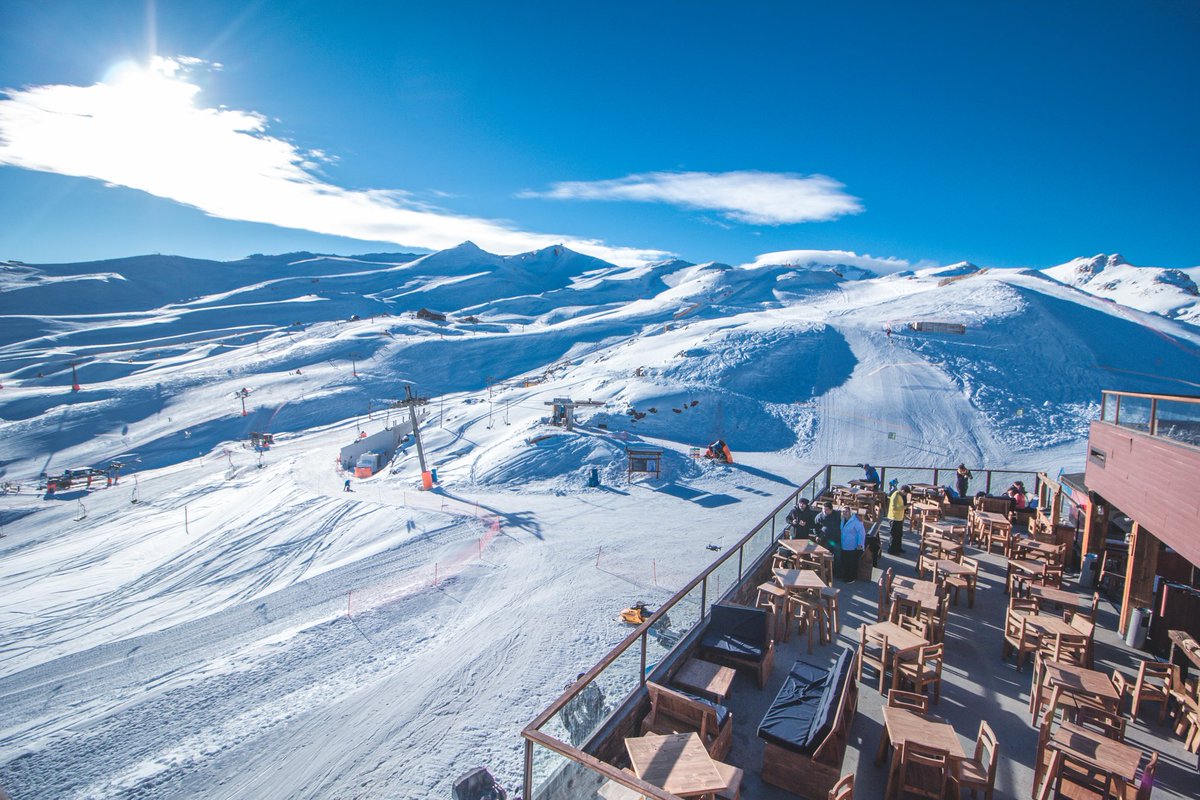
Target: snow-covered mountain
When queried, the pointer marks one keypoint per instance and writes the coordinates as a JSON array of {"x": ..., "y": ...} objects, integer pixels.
[
  {"x": 1170, "y": 292},
  {"x": 248, "y": 628}
]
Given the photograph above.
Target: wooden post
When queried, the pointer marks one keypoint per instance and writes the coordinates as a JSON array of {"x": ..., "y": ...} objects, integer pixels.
[{"x": 1140, "y": 568}]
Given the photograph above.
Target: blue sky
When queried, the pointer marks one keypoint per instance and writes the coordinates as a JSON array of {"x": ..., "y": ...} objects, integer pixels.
[{"x": 1008, "y": 134}]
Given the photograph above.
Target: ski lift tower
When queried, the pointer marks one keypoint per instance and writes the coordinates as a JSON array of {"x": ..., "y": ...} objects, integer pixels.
[
  {"x": 411, "y": 404},
  {"x": 563, "y": 410}
]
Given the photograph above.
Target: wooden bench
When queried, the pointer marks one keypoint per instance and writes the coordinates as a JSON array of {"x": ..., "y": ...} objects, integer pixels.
[{"x": 672, "y": 711}]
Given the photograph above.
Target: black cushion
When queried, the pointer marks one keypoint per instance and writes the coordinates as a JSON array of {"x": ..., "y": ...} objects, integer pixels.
[
  {"x": 831, "y": 695},
  {"x": 788, "y": 721},
  {"x": 722, "y": 711},
  {"x": 802, "y": 714},
  {"x": 738, "y": 631}
]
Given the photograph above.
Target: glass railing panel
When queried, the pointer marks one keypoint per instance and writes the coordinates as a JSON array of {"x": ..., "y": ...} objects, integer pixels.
[
  {"x": 1109, "y": 411},
  {"x": 843, "y": 475},
  {"x": 685, "y": 614},
  {"x": 1134, "y": 413},
  {"x": 1179, "y": 420},
  {"x": 903, "y": 475},
  {"x": 723, "y": 578},
  {"x": 552, "y": 772}
]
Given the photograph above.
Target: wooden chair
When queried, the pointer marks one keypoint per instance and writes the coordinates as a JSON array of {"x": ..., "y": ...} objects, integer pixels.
[
  {"x": 926, "y": 670},
  {"x": 872, "y": 652},
  {"x": 1053, "y": 576},
  {"x": 882, "y": 611},
  {"x": 1001, "y": 535},
  {"x": 1064, "y": 647},
  {"x": 922, "y": 771},
  {"x": 927, "y": 563},
  {"x": 904, "y": 607},
  {"x": 910, "y": 701},
  {"x": 978, "y": 773},
  {"x": 843, "y": 789},
  {"x": 1153, "y": 684},
  {"x": 957, "y": 582},
  {"x": 673, "y": 712},
  {"x": 1028, "y": 605},
  {"x": 1102, "y": 721},
  {"x": 1087, "y": 629},
  {"x": 1018, "y": 637},
  {"x": 915, "y": 625}
]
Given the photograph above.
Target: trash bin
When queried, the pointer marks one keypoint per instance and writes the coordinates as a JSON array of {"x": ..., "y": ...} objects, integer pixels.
[
  {"x": 433, "y": 474},
  {"x": 1089, "y": 570},
  {"x": 594, "y": 478},
  {"x": 1139, "y": 626}
]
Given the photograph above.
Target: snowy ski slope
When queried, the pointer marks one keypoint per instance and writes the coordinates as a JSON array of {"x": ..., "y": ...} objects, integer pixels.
[{"x": 251, "y": 630}]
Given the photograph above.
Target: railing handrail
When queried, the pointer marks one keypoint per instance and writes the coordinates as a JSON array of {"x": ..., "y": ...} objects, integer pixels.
[{"x": 1184, "y": 398}]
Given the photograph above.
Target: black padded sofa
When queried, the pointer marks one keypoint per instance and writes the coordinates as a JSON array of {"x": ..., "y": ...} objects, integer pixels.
[
  {"x": 805, "y": 729},
  {"x": 740, "y": 637}
]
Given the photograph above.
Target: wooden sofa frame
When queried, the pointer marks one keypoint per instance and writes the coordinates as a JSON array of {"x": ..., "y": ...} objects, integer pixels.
[{"x": 673, "y": 712}]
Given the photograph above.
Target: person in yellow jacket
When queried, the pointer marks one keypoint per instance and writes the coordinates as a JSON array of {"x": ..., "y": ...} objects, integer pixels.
[{"x": 895, "y": 514}]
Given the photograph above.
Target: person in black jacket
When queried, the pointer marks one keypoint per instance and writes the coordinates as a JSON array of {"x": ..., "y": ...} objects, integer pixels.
[
  {"x": 801, "y": 520},
  {"x": 829, "y": 530},
  {"x": 962, "y": 478}
]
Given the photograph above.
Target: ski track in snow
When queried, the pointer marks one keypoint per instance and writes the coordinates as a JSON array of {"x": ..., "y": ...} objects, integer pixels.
[{"x": 257, "y": 632}]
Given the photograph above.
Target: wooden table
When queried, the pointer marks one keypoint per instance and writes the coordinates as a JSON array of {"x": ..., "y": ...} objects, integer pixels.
[
  {"x": 1048, "y": 623},
  {"x": 1082, "y": 681},
  {"x": 943, "y": 529},
  {"x": 1097, "y": 751},
  {"x": 799, "y": 580},
  {"x": 900, "y": 725},
  {"x": 944, "y": 544},
  {"x": 676, "y": 762},
  {"x": 806, "y": 547},
  {"x": 1183, "y": 642},
  {"x": 914, "y": 585},
  {"x": 1047, "y": 551},
  {"x": 1062, "y": 597},
  {"x": 1022, "y": 568},
  {"x": 705, "y": 678},
  {"x": 901, "y": 642},
  {"x": 928, "y": 601}
]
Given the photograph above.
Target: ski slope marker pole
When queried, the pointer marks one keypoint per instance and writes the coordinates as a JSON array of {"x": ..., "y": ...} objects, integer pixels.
[
  {"x": 598, "y": 552},
  {"x": 654, "y": 570}
]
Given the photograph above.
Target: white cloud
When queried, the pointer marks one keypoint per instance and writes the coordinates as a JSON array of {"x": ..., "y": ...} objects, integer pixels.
[
  {"x": 831, "y": 258},
  {"x": 141, "y": 128},
  {"x": 759, "y": 198}
]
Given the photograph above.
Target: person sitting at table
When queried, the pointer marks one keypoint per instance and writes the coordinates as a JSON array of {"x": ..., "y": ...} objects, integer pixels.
[
  {"x": 853, "y": 536},
  {"x": 801, "y": 520},
  {"x": 1018, "y": 497},
  {"x": 829, "y": 528}
]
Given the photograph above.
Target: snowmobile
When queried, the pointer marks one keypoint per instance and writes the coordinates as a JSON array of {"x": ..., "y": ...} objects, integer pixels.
[{"x": 660, "y": 630}]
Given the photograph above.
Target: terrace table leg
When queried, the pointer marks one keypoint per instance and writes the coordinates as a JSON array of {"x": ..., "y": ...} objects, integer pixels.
[{"x": 884, "y": 742}]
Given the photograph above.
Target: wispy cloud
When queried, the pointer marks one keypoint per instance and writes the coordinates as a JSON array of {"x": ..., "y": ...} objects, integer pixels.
[
  {"x": 142, "y": 128},
  {"x": 829, "y": 258},
  {"x": 759, "y": 198}
]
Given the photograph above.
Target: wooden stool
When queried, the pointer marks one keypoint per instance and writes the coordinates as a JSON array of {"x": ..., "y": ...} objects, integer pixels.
[
  {"x": 773, "y": 598},
  {"x": 783, "y": 561},
  {"x": 829, "y": 596},
  {"x": 811, "y": 615}
]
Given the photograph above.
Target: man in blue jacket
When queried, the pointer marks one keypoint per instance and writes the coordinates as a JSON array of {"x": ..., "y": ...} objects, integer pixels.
[{"x": 854, "y": 536}]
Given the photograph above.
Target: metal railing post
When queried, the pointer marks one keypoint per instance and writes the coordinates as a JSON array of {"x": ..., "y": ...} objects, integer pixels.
[
  {"x": 987, "y": 487},
  {"x": 528, "y": 776},
  {"x": 703, "y": 602},
  {"x": 642, "y": 679},
  {"x": 1153, "y": 416}
]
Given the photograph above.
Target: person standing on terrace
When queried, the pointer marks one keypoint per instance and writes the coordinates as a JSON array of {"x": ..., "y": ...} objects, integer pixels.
[
  {"x": 895, "y": 515},
  {"x": 962, "y": 479},
  {"x": 829, "y": 529},
  {"x": 853, "y": 536},
  {"x": 801, "y": 520}
]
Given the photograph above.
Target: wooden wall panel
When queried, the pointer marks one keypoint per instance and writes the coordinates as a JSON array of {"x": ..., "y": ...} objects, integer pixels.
[{"x": 1154, "y": 481}]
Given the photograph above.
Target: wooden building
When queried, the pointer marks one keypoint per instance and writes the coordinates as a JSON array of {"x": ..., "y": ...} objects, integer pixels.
[{"x": 1143, "y": 476}]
